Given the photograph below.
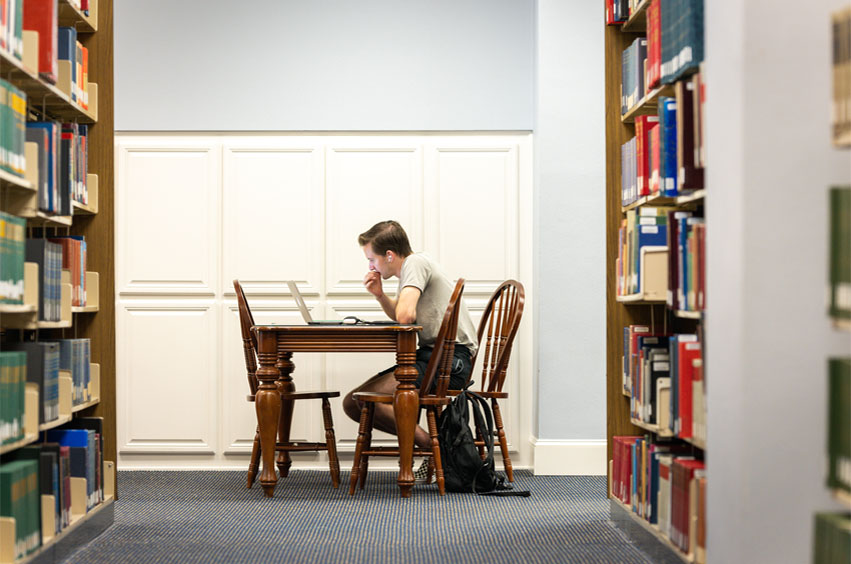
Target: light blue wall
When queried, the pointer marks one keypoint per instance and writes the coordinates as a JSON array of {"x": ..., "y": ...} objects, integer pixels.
[
  {"x": 324, "y": 65},
  {"x": 570, "y": 184}
]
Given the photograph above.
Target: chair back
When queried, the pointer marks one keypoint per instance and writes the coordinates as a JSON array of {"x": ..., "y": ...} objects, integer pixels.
[
  {"x": 249, "y": 341},
  {"x": 497, "y": 330},
  {"x": 440, "y": 363}
]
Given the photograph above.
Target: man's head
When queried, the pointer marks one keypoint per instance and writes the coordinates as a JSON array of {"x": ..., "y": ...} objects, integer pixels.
[{"x": 385, "y": 245}]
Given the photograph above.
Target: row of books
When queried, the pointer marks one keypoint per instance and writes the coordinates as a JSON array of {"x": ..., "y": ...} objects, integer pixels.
[
  {"x": 673, "y": 47},
  {"x": 839, "y": 424},
  {"x": 42, "y": 368},
  {"x": 12, "y": 255},
  {"x": 39, "y": 362},
  {"x": 13, "y": 117},
  {"x": 663, "y": 376},
  {"x": 841, "y": 22},
  {"x": 666, "y": 156},
  {"x": 74, "y": 256},
  {"x": 57, "y": 43},
  {"x": 46, "y": 469},
  {"x": 52, "y": 256},
  {"x": 13, "y": 379},
  {"x": 11, "y": 27},
  {"x": 62, "y": 164},
  {"x": 643, "y": 229},
  {"x": 666, "y": 487},
  {"x": 686, "y": 261},
  {"x": 832, "y": 538},
  {"x": 839, "y": 275}
]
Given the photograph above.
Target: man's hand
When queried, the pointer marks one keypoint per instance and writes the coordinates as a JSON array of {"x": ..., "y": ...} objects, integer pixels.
[{"x": 372, "y": 283}]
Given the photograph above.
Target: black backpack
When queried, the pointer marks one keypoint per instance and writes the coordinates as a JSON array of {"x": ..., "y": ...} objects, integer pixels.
[{"x": 463, "y": 468}]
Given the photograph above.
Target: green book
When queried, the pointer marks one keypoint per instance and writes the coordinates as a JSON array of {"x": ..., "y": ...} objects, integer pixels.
[
  {"x": 832, "y": 538},
  {"x": 839, "y": 274},
  {"x": 839, "y": 424}
]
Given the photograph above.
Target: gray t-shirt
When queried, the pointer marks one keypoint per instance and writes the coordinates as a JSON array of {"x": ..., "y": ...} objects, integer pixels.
[{"x": 421, "y": 272}]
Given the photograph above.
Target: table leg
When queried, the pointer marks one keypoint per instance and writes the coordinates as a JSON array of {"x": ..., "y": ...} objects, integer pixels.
[
  {"x": 267, "y": 402},
  {"x": 406, "y": 405},
  {"x": 285, "y": 385}
]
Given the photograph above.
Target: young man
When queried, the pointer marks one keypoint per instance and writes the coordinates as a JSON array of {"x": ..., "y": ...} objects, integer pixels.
[{"x": 422, "y": 297}]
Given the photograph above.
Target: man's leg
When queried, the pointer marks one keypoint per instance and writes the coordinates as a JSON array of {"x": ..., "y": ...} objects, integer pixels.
[{"x": 384, "y": 418}]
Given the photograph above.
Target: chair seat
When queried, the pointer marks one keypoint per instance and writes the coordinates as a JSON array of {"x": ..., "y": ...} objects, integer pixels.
[
  {"x": 373, "y": 397},
  {"x": 497, "y": 395},
  {"x": 298, "y": 395}
]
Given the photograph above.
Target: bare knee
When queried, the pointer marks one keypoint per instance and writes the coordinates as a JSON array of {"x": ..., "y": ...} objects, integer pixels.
[{"x": 351, "y": 407}]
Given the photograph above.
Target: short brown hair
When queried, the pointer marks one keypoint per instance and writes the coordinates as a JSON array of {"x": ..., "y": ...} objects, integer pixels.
[{"x": 386, "y": 236}]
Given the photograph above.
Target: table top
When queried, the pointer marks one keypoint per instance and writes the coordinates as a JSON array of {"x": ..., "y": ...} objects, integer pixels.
[{"x": 338, "y": 328}]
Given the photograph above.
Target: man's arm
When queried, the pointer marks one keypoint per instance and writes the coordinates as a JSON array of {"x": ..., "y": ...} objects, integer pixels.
[{"x": 406, "y": 305}]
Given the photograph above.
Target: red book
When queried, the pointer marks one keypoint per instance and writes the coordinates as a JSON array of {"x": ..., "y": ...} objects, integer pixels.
[
  {"x": 42, "y": 16},
  {"x": 687, "y": 351},
  {"x": 686, "y": 469},
  {"x": 701, "y": 266},
  {"x": 654, "y": 45},
  {"x": 655, "y": 157},
  {"x": 643, "y": 125}
]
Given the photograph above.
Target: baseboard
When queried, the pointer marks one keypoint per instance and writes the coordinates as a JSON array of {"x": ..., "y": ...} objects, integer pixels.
[{"x": 569, "y": 457}]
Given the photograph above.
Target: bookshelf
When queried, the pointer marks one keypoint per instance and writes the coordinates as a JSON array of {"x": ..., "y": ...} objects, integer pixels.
[
  {"x": 648, "y": 307},
  {"x": 94, "y": 221}
]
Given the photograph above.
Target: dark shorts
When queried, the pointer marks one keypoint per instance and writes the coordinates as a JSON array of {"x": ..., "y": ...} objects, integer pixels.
[{"x": 461, "y": 367}]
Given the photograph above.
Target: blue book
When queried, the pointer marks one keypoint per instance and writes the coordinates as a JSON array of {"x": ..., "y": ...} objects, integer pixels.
[
  {"x": 83, "y": 456},
  {"x": 668, "y": 150},
  {"x": 68, "y": 52},
  {"x": 52, "y": 149},
  {"x": 649, "y": 236}
]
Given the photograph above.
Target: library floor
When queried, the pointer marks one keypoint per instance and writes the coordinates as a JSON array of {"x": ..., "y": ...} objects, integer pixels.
[{"x": 190, "y": 517}]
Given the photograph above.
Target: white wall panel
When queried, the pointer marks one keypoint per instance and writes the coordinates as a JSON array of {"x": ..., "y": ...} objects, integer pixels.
[
  {"x": 367, "y": 184},
  {"x": 168, "y": 225},
  {"x": 473, "y": 191},
  {"x": 272, "y": 209},
  {"x": 168, "y": 393}
]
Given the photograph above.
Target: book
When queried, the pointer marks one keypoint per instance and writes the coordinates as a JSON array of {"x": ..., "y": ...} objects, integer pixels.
[
  {"x": 839, "y": 424},
  {"x": 42, "y": 368},
  {"x": 839, "y": 270},
  {"x": 42, "y": 16}
]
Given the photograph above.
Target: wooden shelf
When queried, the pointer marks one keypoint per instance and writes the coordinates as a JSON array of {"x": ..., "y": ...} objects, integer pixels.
[
  {"x": 688, "y": 314},
  {"x": 41, "y": 94},
  {"x": 639, "y": 299},
  {"x": 70, "y": 16},
  {"x": 84, "y": 309},
  {"x": 653, "y": 199},
  {"x": 9, "y": 180},
  {"x": 695, "y": 442},
  {"x": 43, "y": 219},
  {"x": 647, "y": 105},
  {"x": 59, "y": 421},
  {"x": 842, "y": 497},
  {"x": 696, "y": 196},
  {"x": 9, "y": 447},
  {"x": 17, "y": 308},
  {"x": 637, "y": 22},
  {"x": 86, "y": 405},
  {"x": 653, "y": 530},
  {"x": 652, "y": 428},
  {"x": 91, "y": 208},
  {"x": 842, "y": 324},
  {"x": 78, "y": 523}
]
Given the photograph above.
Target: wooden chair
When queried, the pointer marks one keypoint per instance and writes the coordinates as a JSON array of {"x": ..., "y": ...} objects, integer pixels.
[
  {"x": 439, "y": 367},
  {"x": 497, "y": 330},
  {"x": 249, "y": 346}
]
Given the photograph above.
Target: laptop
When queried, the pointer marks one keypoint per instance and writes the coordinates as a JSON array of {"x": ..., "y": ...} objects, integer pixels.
[{"x": 349, "y": 320}]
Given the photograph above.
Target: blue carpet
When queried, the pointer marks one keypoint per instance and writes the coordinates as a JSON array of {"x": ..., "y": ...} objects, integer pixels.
[{"x": 188, "y": 517}]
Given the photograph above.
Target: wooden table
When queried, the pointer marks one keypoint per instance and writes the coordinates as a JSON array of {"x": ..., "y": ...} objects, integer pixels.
[{"x": 275, "y": 347}]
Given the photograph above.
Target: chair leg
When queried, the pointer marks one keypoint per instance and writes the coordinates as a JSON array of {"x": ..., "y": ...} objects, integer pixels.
[
  {"x": 254, "y": 463},
  {"x": 367, "y": 443},
  {"x": 353, "y": 481},
  {"x": 331, "y": 443},
  {"x": 431, "y": 417},
  {"x": 503, "y": 441}
]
